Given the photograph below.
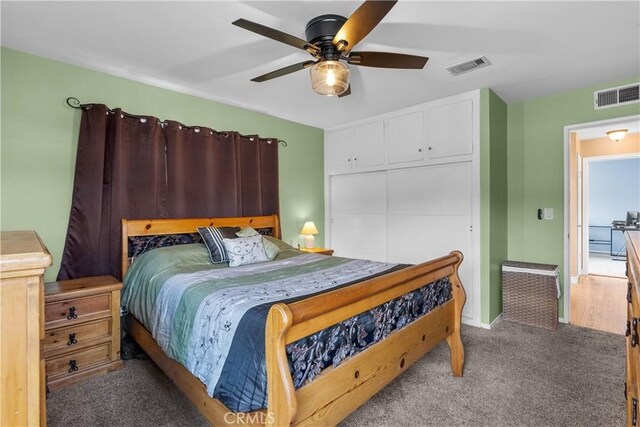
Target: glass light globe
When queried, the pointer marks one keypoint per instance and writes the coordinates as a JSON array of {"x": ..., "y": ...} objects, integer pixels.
[{"x": 330, "y": 77}]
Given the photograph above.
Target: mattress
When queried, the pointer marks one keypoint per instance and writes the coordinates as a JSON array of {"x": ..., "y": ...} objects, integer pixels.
[{"x": 211, "y": 318}]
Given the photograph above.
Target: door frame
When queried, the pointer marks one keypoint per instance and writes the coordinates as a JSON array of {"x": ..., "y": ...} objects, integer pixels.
[{"x": 566, "y": 246}]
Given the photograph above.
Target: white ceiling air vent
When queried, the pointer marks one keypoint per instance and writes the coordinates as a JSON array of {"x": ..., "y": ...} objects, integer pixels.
[
  {"x": 612, "y": 97},
  {"x": 472, "y": 64}
]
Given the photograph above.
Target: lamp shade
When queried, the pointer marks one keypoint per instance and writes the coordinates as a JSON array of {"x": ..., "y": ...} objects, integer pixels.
[
  {"x": 309, "y": 228},
  {"x": 617, "y": 134},
  {"x": 330, "y": 77}
]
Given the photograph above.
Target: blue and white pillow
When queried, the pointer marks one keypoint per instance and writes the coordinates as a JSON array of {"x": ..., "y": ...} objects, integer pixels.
[
  {"x": 245, "y": 251},
  {"x": 213, "y": 240},
  {"x": 270, "y": 248}
]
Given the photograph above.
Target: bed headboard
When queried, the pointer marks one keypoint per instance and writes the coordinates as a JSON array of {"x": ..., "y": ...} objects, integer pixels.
[{"x": 160, "y": 227}]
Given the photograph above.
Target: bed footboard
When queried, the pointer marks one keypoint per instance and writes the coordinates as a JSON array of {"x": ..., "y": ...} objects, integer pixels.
[{"x": 338, "y": 391}]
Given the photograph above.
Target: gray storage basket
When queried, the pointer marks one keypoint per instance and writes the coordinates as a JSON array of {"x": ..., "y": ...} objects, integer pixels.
[{"x": 530, "y": 293}]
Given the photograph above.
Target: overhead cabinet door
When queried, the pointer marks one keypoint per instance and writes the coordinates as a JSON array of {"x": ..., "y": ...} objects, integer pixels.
[
  {"x": 369, "y": 144},
  {"x": 338, "y": 146},
  {"x": 450, "y": 130},
  {"x": 405, "y": 137}
]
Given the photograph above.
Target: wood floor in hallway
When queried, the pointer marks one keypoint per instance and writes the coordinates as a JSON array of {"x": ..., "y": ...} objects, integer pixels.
[{"x": 600, "y": 302}]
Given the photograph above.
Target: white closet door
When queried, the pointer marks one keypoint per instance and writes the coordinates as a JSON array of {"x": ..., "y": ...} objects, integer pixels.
[
  {"x": 369, "y": 144},
  {"x": 405, "y": 137},
  {"x": 430, "y": 215},
  {"x": 359, "y": 215},
  {"x": 338, "y": 147},
  {"x": 450, "y": 129}
]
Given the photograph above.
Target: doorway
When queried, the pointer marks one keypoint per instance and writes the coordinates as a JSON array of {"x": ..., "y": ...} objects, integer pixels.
[{"x": 602, "y": 183}]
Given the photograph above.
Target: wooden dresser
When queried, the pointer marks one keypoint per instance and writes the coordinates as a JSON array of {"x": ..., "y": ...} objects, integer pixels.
[
  {"x": 82, "y": 329},
  {"x": 23, "y": 259},
  {"x": 632, "y": 386}
]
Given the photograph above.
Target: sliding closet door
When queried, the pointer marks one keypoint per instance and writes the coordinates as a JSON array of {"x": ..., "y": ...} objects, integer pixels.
[
  {"x": 359, "y": 215},
  {"x": 430, "y": 215}
]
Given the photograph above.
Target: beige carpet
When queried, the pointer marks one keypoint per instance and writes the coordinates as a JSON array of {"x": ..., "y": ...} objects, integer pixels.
[{"x": 514, "y": 376}]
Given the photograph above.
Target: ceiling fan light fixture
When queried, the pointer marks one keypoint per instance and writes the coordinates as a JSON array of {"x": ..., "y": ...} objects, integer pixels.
[
  {"x": 330, "y": 78},
  {"x": 618, "y": 134}
]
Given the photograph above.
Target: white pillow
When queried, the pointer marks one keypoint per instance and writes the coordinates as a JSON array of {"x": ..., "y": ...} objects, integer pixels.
[
  {"x": 247, "y": 232},
  {"x": 245, "y": 250},
  {"x": 270, "y": 248}
]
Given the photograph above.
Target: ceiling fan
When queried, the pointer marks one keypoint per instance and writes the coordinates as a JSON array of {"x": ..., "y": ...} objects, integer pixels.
[{"x": 330, "y": 40}]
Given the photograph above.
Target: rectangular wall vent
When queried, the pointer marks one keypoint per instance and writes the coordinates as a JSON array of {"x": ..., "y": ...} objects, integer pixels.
[
  {"x": 612, "y": 97},
  {"x": 466, "y": 66}
]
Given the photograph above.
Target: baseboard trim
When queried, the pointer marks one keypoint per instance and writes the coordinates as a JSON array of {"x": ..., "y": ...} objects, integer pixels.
[{"x": 492, "y": 324}]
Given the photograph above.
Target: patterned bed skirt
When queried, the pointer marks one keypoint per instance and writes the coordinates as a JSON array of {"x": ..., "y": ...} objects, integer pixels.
[{"x": 330, "y": 347}]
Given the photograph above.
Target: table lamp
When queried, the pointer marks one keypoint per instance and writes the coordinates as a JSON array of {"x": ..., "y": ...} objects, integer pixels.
[{"x": 309, "y": 229}]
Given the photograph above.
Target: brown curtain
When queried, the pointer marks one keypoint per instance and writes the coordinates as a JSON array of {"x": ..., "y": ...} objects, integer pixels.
[
  {"x": 202, "y": 172},
  {"x": 120, "y": 173},
  {"x": 258, "y": 175},
  {"x": 138, "y": 168}
]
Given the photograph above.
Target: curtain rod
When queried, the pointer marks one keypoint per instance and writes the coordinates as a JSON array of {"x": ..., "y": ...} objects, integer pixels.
[{"x": 74, "y": 103}]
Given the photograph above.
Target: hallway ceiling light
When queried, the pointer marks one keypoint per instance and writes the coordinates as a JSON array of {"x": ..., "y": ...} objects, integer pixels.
[{"x": 617, "y": 134}]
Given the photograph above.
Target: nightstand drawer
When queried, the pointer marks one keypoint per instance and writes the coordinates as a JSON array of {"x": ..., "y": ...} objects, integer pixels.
[
  {"x": 76, "y": 362},
  {"x": 62, "y": 312},
  {"x": 78, "y": 336}
]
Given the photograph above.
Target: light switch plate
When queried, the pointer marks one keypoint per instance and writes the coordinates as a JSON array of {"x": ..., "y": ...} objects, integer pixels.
[{"x": 548, "y": 213}]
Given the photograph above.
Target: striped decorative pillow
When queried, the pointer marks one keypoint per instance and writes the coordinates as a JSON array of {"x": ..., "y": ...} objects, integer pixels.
[{"x": 213, "y": 240}]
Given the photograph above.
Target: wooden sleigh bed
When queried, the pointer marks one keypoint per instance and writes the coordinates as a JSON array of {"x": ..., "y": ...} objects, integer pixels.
[{"x": 336, "y": 392}]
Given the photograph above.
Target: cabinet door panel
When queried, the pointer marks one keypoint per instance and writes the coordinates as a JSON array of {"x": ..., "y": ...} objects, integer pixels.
[
  {"x": 431, "y": 190},
  {"x": 430, "y": 214},
  {"x": 361, "y": 236},
  {"x": 450, "y": 129},
  {"x": 369, "y": 145},
  {"x": 419, "y": 238},
  {"x": 338, "y": 147},
  {"x": 359, "y": 193},
  {"x": 359, "y": 215},
  {"x": 405, "y": 137}
]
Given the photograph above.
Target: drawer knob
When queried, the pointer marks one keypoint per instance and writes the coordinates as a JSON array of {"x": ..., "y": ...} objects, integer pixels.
[
  {"x": 629, "y": 286},
  {"x": 72, "y": 339},
  {"x": 628, "y": 331},
  {"x": 72, "y": 313},
  {"x": 634, "y": 332},
  {"x": 73, "y": 366}
]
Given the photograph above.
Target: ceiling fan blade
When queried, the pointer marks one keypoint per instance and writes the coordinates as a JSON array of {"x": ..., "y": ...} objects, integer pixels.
[
  {"x": 283, "y": 71},
  {"x": 360, "y": 23},
  {"x": 387, "y": 60},
  {"x": 346, "y": 92},
  {"x": 276, "y": 35}
]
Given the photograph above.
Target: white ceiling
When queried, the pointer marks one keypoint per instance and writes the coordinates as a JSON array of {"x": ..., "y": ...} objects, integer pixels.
[{"x": 536, "y": 48}]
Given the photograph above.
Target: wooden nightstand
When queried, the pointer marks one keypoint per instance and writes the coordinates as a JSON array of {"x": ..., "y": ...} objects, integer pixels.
[
  {"x": 322, "y": 251},
  {"x": 82, "y": 329}
]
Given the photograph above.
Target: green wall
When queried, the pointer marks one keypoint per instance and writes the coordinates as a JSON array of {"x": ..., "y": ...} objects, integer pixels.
[
  {"x": 536, "y": 168},
  {"x": 493, "y": 203},
  {"x": 39, "y": 139}
]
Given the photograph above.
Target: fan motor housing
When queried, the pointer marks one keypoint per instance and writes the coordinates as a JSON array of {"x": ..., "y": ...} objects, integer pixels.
[{"x": 324, "y": 27}]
